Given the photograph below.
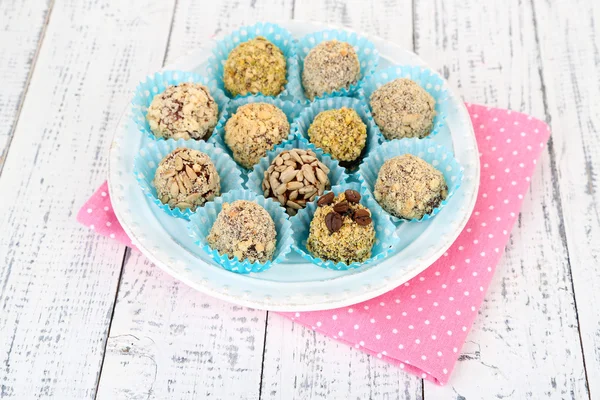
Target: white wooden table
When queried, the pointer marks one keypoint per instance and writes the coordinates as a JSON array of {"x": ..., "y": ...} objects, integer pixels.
[{"x": 82, "y": 317}]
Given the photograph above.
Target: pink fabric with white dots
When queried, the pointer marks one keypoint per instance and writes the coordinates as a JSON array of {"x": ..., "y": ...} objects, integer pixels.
[{"x": 421, "y": 325}]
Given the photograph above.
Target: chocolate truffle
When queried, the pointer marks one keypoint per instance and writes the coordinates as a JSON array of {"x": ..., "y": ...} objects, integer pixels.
[
  {"x": 408, "y": 187},
  {"x": 328, "y": 67},
  {"x": 403, "y": 109},
  {"x": 254, "y": 129},
  {"x": 186, "y": 179},
  {"x": 294, "y": 178},
  {"x": 339, "y": 132},
  {"x": 185, "y": 111},
  {"x": 255, "y": 66},
  {"x": 341, "y": 229},
  {"x": 245, "y": 230}
]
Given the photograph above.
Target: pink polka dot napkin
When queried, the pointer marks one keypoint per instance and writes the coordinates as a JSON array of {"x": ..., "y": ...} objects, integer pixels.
[{"x": 421, "y": 325}]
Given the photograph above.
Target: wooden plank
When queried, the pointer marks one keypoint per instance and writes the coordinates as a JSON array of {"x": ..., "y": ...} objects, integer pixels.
[
  {"x": 58, "y": 279},
  {"x": 21, "y": 32},
  {"x": 525, "y": 343},
  {"x": 167, "y": 340},
  {"x": 569, "y": 39},
  {"x": 302, "y": 364}
]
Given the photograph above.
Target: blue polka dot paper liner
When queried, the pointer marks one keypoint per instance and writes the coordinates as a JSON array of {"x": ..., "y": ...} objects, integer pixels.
[
  {"x": 147, "y": 160},
  {"x": 277, "y": 35},
  {"x": 429, "y": 80},
  {"x": 386, "y": 238},
  {"x": 307, "y": 116},
  {"x": 436, "y": 155},
  {"x": 368, "y": 56},
  {"x": 202, "y": 221},
  {"x": 337, "y": 175},
  {"x": 157, "y": 83},
  {"x": 290, "y": 109}
]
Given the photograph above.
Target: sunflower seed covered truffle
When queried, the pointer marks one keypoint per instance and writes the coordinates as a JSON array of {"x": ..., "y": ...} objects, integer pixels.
[
  {"x": 294, "y": 178},
  {"x": 254, "y": 129},
  {"x": 255, "y": 66},
  {"x": 341, "y": 229},
  {"x": 403, "y": 109},
  {"x": 328, "y": 67},
  {"x": 186, "y": 179},
  {"x": 408, "y": 187},
  {"x": 245, "y": 230},
  {"x": 339, "y": 132},
  {"x": 184, "y": 111}
]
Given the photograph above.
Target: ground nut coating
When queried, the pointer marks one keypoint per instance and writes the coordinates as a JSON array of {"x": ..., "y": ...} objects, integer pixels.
[
  {"x": 403, "y": 109},
  {"x": 186, "y": 179},
  {"x": 245, "y": 230},
  {"x": 408, "y": 187},
  {"x": 339, "y": 132},
  {"x": 254, "y": 129},
  {"x": 328, "y": 67},
  {"x": 185, "y": 111},
  {"x": 253, "y": 67}
]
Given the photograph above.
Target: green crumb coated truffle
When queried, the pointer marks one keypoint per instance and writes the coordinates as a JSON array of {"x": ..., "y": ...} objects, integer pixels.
[
  {"x": 339, "y": 132},
  {"x": 353, "y": 242},
  {"x": 245, "y": 230},
  {"x": 255, "y": 66},
  {"x": 408, "y": 187},
  {"x": 329, "y": 66},
  {"x": 403, "y": 109}
]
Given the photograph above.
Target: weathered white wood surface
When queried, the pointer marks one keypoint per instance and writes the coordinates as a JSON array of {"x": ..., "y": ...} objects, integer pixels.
[
  {"x": 21, "y": 31},
  {"x": 58, "y": 281}
]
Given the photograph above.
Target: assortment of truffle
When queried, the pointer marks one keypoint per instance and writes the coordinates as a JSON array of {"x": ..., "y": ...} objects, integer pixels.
[
  {"x": 341, "y": 229},
  {"x": 294, "y": 178},
  {"x": 186, "y": 179},
  {"x": 255, "y": 66},
  {"x": 254, "y": 129},
  {"x": 408, "y": 187},
  {"x": 339, "y": 132},
  {"x": 184, "y": 111},
  {"x": 245, "y": 230},
  {"x": 329, "y": 66}
]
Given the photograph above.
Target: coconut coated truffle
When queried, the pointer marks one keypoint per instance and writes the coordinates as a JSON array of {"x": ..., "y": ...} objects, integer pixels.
[
  {"x": 403, "y": 109},
  {"x": 339, "y": 132},
  {"x": 245, "y": 230},
  {"x": 186, "y": 179},
  {"x": 254, "y": 129},
  {"x": 184, "y": 111},
  {"x": 255, "y": 66},
  {"x": 341, "y": 229},
  {"x": 408, "y": 187},
  {"x": 328, "y": 67}
]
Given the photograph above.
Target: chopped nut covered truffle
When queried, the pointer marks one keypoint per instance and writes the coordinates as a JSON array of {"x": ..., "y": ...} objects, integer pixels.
[
  {"x": 408, "y": 187},
  {"x": 186, "y": 179},
  {"x": 245, "y": 230},
  {"x": 255, "y": 66},
  {"x": 403, "y": 109},
  {"x": 254, "y": 129},
  {"x": 185, "y": 111},
  {"x": 328, "y": 67}
]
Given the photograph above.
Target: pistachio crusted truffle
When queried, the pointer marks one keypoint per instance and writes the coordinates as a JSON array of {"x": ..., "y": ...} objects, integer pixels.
[
  {"x": 339, "y": 132},
  {"x": 255, "y": 66},
  {"x": 245, "y": 230},
  {"x": 186, "y": 179},
  {"x": 403, "y": 109},
  {"x": 341, "y": 229},
  {"x": 329, "y": 66},
  {"x": 254, "y": 129},
  {"x": 408, "y": 187},
  {"x": 294, "y": 178},
  {"x": 184, "y": 111}
]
